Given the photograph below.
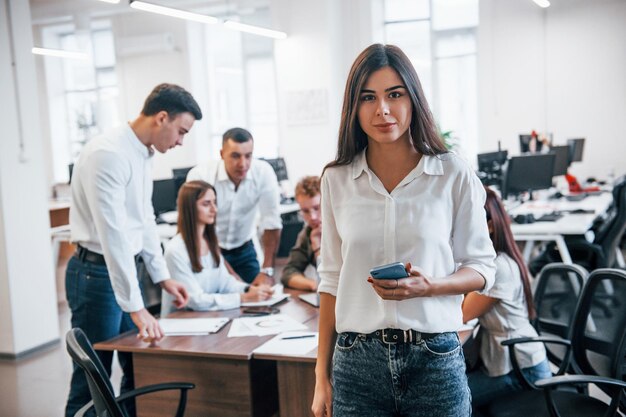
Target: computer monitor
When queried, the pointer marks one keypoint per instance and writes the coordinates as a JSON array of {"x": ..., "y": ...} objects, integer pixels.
[
  {"x": 528, "y": 173},
  {"x": 561, "y": 159},
  {"x": 280, "y": 168},
  {"x": 164, "y": 196},
  {"x": 576, "y": 149},
  {"x": 524, "y": 143},
  {"x": 490, "y": 167},
  {"x": 180, "y": 176}
]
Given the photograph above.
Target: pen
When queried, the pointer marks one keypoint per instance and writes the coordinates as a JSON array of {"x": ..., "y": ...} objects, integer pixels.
[{"x": 298, "y": 337}]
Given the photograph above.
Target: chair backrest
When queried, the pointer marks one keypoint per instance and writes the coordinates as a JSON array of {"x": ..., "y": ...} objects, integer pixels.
[
  {"x": 599, "y": 327},
  {"x": 611, "y": 236},
  {"x": 556, "y": 295},
  {"x": 82, "y": 353}
]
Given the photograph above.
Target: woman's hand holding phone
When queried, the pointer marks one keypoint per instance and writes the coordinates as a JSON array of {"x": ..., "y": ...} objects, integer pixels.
[{"x": 416, "y": 284}]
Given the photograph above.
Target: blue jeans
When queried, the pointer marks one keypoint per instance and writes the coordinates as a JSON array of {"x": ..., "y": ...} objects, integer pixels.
[
  {"x": 243, "y": 260},
  {"x": 94, "y": 309},
  {"x": 486, "y": 388},
  {"x": 375, "y": 379}
]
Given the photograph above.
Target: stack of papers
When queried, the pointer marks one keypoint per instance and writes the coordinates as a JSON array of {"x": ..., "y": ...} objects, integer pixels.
[
  {"x": 263, "y": 326},
  {"x": 192, "y": 327},
  {"x": 292, "y": 343}
]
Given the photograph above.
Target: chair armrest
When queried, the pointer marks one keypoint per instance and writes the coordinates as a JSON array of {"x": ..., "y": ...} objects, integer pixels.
[
  {"x": 540, "y": 339},
  {"x": 182, "y": 386},
  {"x": 579, "y": 379}
]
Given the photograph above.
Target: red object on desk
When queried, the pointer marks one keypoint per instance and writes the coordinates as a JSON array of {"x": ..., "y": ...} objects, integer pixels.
[{"x": 574, "y": 185}]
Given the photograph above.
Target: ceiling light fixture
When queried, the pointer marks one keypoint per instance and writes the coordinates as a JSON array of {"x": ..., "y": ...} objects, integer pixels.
[
  {"x": 168, "y": 11},
  {"x": 542, "y": 3},
  {"x": 110, "y": 1},
  {"x": 59, "y": 53},
  {"x": 256, "y": 30}
]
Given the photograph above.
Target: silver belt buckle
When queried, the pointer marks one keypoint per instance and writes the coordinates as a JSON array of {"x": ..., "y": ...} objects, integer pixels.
[{"x": 385, "y": 339}]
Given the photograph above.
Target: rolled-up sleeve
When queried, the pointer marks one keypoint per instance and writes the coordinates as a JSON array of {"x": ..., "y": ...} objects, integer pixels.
[
  {"x": 269, "y": 200},
  {"x": 471, "y": 244},
  {"x": 331, "y": 257}
]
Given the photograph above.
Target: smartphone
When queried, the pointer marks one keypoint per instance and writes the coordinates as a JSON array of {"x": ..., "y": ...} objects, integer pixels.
[
  {"x": 260, "y": 310},
  {"x": 395, "y": 270}
]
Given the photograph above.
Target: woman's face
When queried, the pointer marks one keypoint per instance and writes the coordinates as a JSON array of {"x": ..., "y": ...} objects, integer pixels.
[
  {"x": 207, "y": 208},
  {"x": 385, "y": 107}
]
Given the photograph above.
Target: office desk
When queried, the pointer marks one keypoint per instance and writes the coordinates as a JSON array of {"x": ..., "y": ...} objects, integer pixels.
[
  {"x": 228, "y": 382},
  {"x": 296, "y": 376},
  {"x": 569, "y": 224}
]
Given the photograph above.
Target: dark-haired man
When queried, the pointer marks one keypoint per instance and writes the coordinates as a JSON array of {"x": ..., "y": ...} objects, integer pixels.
[
  {"x": 243, "y": 186},
  {"x": 112, "y": 223}
]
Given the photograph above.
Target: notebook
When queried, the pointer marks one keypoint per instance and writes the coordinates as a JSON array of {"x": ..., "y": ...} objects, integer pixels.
[
  {"x": 192, "y": 326},
  {"x": 312, "y": 298}
]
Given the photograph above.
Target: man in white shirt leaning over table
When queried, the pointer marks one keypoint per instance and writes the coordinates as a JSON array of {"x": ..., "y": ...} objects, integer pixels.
[
  {"x": 112, "y": 223},
  {"x": 243, "y": 185}
]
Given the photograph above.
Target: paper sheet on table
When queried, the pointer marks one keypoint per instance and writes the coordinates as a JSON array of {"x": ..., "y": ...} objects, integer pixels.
[
  {"x": 276, "y": 298},
  {"x": 191, "y": 327},
  {"x": 264, "y": 325},
  {"x": 281, "y": 346}
]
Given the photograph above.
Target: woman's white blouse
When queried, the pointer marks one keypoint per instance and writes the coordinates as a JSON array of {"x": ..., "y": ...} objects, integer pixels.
[
  {"x": 434, "y": 218},
  {"x": 213, "y": 288}
]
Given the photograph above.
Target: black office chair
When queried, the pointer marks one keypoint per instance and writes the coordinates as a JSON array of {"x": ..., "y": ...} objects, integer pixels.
[
  {"x": 556, "y": 295},
  {"x": 598, "y": 345},
  {"x": 103, "y": 398},
  {"x": 608, "y": 231}
]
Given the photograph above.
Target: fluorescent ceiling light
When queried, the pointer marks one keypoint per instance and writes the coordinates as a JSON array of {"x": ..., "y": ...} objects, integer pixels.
[
  {"x": 542, "y": 3},
  {"x": 256, "y": 30},
  {"x": 59, "y": 53},
  {"x": 168, "y": 11},
  {"x": 111, "y": 1}
]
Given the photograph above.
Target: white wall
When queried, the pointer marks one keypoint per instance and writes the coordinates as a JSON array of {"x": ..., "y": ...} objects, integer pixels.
[
  {"x": 28, "y": 311},
  {"x": 558, "y": 70}
]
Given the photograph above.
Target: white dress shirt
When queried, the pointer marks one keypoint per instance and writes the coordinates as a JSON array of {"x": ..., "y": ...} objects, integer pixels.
[
  {"x": 508, "y": 319},
  {"x": 237, "y": 209},
  {"x": 213, "y": 288},
  {"x": 434, "y": 218},
  {"x": 112, "y": 214}
]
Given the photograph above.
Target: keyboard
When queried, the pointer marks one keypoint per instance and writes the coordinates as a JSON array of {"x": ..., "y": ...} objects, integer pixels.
[
  {"x": 550, "y": 217},
  {"x": 576, "y": 197}
]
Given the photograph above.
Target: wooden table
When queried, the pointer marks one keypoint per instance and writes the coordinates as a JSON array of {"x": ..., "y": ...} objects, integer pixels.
[
  {"x": 296, "y": 376},
  {"x": 229, "y": 382}
]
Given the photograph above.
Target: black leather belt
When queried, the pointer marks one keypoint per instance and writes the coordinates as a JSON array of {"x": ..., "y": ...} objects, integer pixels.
[
  {"x": 85, "y": 255},
  {"x": 400, "y": 336}
]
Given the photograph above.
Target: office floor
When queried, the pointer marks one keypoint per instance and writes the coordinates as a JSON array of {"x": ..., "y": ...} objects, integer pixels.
[{"x": 37, "y": 386}]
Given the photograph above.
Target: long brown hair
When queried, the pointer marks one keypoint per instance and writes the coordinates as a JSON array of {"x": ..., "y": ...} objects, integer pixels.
[
  {"x": 503, "y": 242},
  {"x": 188, "y": 196},
  {"x": 352, "y": 138}
]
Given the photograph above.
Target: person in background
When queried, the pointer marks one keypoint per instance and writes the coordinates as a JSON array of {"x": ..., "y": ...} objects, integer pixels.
[
  {"x": 389, "y": 347},
  {"x": 112, "y": 222},
  {"x": 307, "y": 248},
  {"x": 244, "y": 185},
  {"x": 193, "y": 256},
  {"x": 503, "y": 313}
]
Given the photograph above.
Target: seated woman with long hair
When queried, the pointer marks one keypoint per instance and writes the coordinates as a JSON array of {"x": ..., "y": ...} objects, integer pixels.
[
  {"x": 503, "y": 313},
  {"x": 193, "y": 256}
]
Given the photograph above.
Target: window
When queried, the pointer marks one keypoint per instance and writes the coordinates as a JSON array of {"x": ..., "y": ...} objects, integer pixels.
[
  {"x": 439, "y": 37},
  {"x": 85, "y": 103}
]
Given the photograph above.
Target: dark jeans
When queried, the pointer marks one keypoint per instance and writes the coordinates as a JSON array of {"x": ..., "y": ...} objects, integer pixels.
[
  {"x": 376, "y": 379},
  {"x": 243, "y": 260},
  {"x": 94, "y": 309}
]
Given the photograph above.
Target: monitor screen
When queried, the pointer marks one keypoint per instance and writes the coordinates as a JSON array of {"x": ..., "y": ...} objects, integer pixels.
[
  {"x": 180, "y": 176},
  {"x": 576, "y": 149},
  {"x": 526, "y": 140},
  {"x": 164, "y": 196},
  {"x": 280, "y": 168},
  {"x": 491, "y": 161},
  {"x": 529, "y": 172},
  {"x": 561, "y": 159}
]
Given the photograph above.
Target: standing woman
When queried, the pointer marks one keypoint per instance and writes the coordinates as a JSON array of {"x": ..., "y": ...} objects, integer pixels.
[
  {"x": 193, "y": 256},
  {"x": 503, "y": 313},
  {"x": 393, "y": 193}
]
